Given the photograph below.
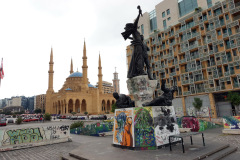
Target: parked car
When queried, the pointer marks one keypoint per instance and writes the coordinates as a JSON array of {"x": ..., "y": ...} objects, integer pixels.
[
  {"x": 10, "y": 121},
  {"x": 27, "y": 120},
  {"x": 74, "y": 118},
  {"x": 63, "y": 117},
  {"x": 3, "y": 122}
]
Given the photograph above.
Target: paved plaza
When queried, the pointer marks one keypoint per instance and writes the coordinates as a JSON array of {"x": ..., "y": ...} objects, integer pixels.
[{"x": 100, "y": 147}]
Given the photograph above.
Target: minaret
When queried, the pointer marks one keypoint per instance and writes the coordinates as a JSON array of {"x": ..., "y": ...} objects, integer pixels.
[
  {"x": 71, "y": 67},
  {"x": 85, "y": 67},
  {"x": 100, "y": 75},
  {"x": 116, "y": 87},
  {"x": 50, "y": 73}
]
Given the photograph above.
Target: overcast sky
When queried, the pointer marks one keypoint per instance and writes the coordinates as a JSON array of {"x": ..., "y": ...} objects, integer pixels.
[{"x": 28, "y": 29}]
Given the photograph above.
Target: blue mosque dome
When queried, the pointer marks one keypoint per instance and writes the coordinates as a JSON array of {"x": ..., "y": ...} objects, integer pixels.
[
  {"x": 76, "y": 74},
  {"x": 90, "y": 85}
]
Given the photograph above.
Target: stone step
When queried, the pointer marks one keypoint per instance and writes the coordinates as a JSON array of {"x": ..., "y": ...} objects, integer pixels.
[
  {"x": 223, "y": 153},
  {"x": 79, "y": 157},
  {"x": 67, "y": 157},
  {"x": 212, "y": 152}
]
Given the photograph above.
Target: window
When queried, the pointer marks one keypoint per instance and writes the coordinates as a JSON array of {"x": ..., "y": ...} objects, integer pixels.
[
  {"x": 234, "y": 52},
  {"x": 237, "y": 67},
  {"x": 210, "y": 13},
  {"x": 164, "y": 24},
  {"x": 209, "y": 3},
  {"x": 229, "y": 31},
  {"x": 187, "y": 6},
  {"x": 227, "y": 17},
  {"x": 153, "y": 20},
  {"x": 219, "y": 32},
  {"x": 169, "y": 18},
  {"x": 163, "y": 14},
  {"x": 142, "y": 29},
  {"x": 168, "y": 11}
]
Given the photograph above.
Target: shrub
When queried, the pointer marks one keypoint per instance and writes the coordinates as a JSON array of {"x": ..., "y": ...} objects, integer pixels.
[
  {"x": 85, "y": 113},
  {"x": 14, "y": 116},
  {"x": 47, "y": 117},
  {"x": 77, "y": 124},
  {"x": 19, "y": 120}
]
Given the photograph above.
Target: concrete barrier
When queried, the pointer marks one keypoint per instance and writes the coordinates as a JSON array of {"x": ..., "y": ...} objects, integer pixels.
[{"x": 11, "y": 139}]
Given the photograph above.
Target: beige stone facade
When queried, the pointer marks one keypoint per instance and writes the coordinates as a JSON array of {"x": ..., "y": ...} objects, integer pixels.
[
  {"x": 40, "y": 102},
  {"x": 77, "y": 94}
]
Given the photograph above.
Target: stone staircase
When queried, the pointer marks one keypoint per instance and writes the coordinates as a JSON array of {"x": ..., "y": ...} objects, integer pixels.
[{"x": 218, "y": 153}]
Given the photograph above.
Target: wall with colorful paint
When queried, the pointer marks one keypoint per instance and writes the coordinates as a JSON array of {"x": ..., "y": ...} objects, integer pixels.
[
  {"x": 93, "y": 129},
  {"x": 196, "y": 125},
  {"x": 231, "y": 122},
  {"x": 29, "y": 137},
  {"x": 144, "y": 127}
]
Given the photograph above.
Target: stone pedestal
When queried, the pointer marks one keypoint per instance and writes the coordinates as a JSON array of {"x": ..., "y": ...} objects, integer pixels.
[
  {"x": 144, "y": 127},
  {"x": 142, "y": 89}
]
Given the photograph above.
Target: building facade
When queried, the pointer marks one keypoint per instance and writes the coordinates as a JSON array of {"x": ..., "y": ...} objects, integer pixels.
[
  {"x": 197, "y": 50},
  {"x": 40, "y": 102},
  {"x": 116, "y": 86},
  {"x": 106, "y": 87},
  {"x": 77, "y": 94}
]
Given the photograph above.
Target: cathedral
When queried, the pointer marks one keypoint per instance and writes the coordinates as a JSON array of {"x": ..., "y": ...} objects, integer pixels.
[{"x": 77, "y": 94}]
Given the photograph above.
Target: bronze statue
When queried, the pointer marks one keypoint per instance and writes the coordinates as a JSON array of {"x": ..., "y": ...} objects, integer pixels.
[
  {"x": 137, "y": 61},
  {"x": 123, "y": 101},
  {"x": 165, "y": 99}
]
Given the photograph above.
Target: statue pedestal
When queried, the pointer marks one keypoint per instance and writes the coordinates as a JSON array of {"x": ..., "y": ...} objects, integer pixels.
[
  {"x": 142, "y": 89},
  {"x": 144, "y": 128}
]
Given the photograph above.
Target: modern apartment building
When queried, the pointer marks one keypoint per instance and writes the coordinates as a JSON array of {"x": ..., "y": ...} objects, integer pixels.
[
  {"x": 40, "y": 102},
  {"x": 106, "y": 87},
  {"x": 195, "y": 44}
]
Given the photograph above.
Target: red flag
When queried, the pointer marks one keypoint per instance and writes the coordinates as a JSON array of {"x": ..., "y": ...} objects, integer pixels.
[{"x": 2, "y": 72}]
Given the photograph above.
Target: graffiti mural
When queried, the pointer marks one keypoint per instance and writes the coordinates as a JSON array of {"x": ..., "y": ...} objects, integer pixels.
[
  {"x": 165, "y": 124},
  {"x": 178, "y": 111},
  {"x": 231, "y": 122},
  {"x": 203, "y": 112},
  {"x": 28, "y": 137},
  {"x": 190, "y": 122},
  {"x": 197, "y": 125},
  {"x": 144, "y": 127},
  {"x": 93, "y": 129},
  {"x": 123, "y": 127}
]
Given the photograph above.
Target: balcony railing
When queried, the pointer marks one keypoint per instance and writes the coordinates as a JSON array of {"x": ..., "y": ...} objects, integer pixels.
[
  {"x": 235, "y": 85},
  {"x": 226, "y": 73},
  {"x": 186, "y": 93},
  {"x": 185, "y": 82},
  {"x": 172, "y": 74}
]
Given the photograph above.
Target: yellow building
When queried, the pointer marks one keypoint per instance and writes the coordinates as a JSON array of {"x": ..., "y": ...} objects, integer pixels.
[
  {"x": 107, "y": 87},
  {"x": 77, "y": 94}
]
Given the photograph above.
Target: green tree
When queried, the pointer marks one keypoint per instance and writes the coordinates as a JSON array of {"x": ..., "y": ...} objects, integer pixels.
[
  {"x": 73, "y": 113},
  {"x": 47, "y": 117},
  {"x": 197, "y": 104},
  {"x": 38, "y": 110},
  {"x": 234, "y": 98},
  {"x": 19, "y": 120},
  {"x": 113, "y": 107},
  {"x": 85, "y": 113}
]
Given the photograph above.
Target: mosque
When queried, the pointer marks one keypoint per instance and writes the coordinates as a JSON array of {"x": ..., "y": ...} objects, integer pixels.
[{"x": 77, "y": 94}]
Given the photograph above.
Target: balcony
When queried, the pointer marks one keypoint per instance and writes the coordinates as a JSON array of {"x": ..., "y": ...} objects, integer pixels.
[
  {"x": 219, "y": 62},
  {"x": 186, "y": 93},
  {"x": 218, "y": 88},
  {"x": 172, "y": 74},
  {"x": 182, "y": 61},
  {"x": 193, "y": 46},
  {"x": 227, "y": 73},
  {"x": 225, "y": 35},
  {"x": 199, "y": 67},
  {"x": 185, "y": 82},
  {"x": 235, "y": 85},
  {"x": 232, "y": 72}
]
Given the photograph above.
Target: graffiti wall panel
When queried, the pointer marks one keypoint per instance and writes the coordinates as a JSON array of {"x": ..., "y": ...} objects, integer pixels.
[
  {"x": 28, "y": 137},
  {"x": 231, "y": 122},
  {"x": 190, "y": 122},
  {"x": 165, "y": 124},
  {"x": 144, "y": 127},
  {"x": 123, "y": 127}
]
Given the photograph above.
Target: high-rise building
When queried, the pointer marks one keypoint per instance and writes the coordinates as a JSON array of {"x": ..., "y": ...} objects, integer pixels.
[
  {"x": 40, "y": 102},
  {"x": 116, "y": 86},
  {"x": 195, "y": 45},
  {"x": 106, "y": 87}
]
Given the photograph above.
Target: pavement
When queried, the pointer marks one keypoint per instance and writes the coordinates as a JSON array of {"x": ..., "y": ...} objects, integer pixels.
[{"x": 98, "y": 148}]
